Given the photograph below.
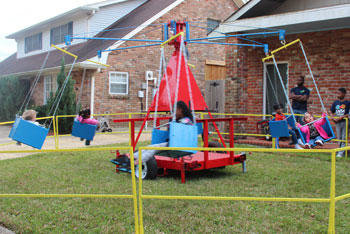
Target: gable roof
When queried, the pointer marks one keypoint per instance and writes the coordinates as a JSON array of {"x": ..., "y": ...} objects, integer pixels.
[
  {"x": 266, "y": 14},
  {"x": 88, "y": 49},
  {"x": 86, "y": 9}
]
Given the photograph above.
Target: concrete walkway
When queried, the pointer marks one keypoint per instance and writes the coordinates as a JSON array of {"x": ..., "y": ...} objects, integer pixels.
[
  {"x": 65, "y": 142},
  {"x": 5, "y": 231}
]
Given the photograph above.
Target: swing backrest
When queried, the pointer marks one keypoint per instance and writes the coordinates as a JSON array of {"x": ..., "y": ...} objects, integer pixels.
[
  {"x": 200, "y": 128},
  {"x": 279, "y": 128},
  {"x": 28, "y": 133},
  {"x": 183, "y": 135},
  {"x": 327, "y": 127},
  {"x": 290, "y": 121},
  {"x": 83, "y": 130}
]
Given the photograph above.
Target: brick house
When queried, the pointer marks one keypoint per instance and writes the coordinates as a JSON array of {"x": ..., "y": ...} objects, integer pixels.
[
  {"x": 115, "y": 89},
  {"x": 323, "y": 26}
]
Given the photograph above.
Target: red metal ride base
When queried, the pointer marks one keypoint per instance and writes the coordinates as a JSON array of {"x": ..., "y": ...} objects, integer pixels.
[
  {"x": 202, "y": 160},
  {"x": 167, "y": 93}
]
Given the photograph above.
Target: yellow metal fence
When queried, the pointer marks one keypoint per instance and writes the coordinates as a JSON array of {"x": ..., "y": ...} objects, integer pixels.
[{"x": 138, "y": 196}]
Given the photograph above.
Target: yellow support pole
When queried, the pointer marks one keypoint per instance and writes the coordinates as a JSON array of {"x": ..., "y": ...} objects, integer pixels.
[
  {"x": 285, "y": 46},
  {"x": 172, "y": 38},
  {"x": 191, "y": 65},
  {"x": 331, "y": 224},
  {"x": 140, "y": 192},
  {"x": 91, "y": 61},
  {"x": 273, "y": 143},
  {"x": 64, "y": 51},
  {"x": 346, "y": 136},
  {"x": 54, "y": 131},
  {"x": 134, "y": 192},
  {"x": 130, "y": 116},
  {"x": 58, "y": 134},
  {"x": 267, "y": 58}
]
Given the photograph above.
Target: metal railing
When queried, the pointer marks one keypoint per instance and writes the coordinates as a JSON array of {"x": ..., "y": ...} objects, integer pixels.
[{"x": 138, "y": 196}]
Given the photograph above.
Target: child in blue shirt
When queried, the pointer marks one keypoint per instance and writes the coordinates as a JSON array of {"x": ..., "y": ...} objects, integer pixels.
[{"x": 340, "y": 111}]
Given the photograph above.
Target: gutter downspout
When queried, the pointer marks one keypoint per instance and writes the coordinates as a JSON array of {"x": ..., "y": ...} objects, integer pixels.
[{"x": 92, "y": 101}]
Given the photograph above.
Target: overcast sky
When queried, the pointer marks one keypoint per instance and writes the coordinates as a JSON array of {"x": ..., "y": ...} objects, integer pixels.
[{"x": 20, "y": 14}]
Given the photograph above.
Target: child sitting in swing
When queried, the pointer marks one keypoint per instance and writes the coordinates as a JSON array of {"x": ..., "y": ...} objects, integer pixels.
[
  {"x": 315, "y": 134},
  {"x": 280, "y": 116},
  {"x": 29, "y": 115},
  {"x": 85, "y": 118},
  {"x": 183, "y": 115}
]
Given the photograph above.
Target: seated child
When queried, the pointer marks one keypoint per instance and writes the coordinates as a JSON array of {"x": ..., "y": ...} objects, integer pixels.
[
  {"x": 280, "y": 116},
  {"x": 315, "y": 134},
  {"x": 29, "y": 115},
  {"x": 85, "y": 117},
  {"x": 183, "y": 115}
]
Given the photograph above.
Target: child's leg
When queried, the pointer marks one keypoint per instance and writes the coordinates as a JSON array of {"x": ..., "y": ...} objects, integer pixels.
[
  {"x": 294, "y": 136},
  {"x": 147, "y": 154},
  {"x": 312, "y": 142},
  {"x": 319, "y": 140},
  {"x": 87, "y": 142}
]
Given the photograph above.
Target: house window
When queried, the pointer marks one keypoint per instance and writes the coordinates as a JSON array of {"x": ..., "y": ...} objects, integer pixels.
[
  {"x": 33, "y": 43},
  {"x": 118, "y": 83},
  {"x": 50, "y": 86},
  {"x": 57, "y": 34},
  {"x": 212, "y": 24}
]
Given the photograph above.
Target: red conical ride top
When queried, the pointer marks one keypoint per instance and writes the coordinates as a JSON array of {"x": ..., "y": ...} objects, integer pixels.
[{"x": 183, "y": 91}]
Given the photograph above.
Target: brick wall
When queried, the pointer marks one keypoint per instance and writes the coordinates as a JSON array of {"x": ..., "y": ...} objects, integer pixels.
[
  {"x": 137, "y": 61},
  {"x": 328, "y": 54}
]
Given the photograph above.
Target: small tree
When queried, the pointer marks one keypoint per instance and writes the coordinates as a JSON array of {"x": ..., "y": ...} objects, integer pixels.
[
  {"x": 67, "y": 104},
  {"x": 12, "y": 94}
]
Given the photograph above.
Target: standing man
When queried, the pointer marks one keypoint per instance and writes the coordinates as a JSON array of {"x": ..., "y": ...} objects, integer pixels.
[
  {"x": 299, "y": 96},
  {"x": 340, "y": 111}
]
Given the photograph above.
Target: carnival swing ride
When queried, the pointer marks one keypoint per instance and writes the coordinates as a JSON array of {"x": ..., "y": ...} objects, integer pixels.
[{"x": 175, "y": 83}]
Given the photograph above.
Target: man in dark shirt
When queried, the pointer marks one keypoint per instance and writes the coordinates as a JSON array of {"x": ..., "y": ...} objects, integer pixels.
[
  {"x": 299, "y": 96},
  {"x": 340, "y": 111}
]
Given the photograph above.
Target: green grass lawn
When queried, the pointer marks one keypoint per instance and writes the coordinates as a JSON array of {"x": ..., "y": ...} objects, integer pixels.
[{"x": 269, "y": 175}]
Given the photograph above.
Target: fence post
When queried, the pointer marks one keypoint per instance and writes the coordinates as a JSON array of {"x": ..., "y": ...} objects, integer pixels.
[
  {"x": 130, "y": 116},
  {"x": 134, "y": 191},
  {"x": 331, "y": 224},
  {"x": 346, "y": 136},
  {"x": 141, "y": 229},
  {"x": 54, "y": 131},
  {"x": 57, "y": 133},
  {"x": 273, "y": 142}
]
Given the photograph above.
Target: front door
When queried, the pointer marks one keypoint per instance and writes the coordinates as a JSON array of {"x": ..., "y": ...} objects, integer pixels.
[
  {"x": 274, "y": 93},
  {"x": 215, "y": 73}
]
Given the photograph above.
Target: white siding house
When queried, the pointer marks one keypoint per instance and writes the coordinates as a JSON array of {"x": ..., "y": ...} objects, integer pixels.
[
  {"x": 107, "y": 15},
  {"x": 86, "y": 21}
]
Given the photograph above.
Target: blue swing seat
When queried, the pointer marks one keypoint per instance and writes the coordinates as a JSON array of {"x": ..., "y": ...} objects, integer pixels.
[
  {"x": 28, "y": 133},
  {"x": 159, "y": 136},
  {"x": 279, "y": 128},
  {"x": 180, "y": 135},
  {"x": 327, "y": 127},
  {"x": 83, "y": 130}
]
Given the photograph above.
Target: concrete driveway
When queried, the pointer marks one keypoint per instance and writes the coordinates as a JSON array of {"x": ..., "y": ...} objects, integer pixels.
[{"x": 65, "y": 142}]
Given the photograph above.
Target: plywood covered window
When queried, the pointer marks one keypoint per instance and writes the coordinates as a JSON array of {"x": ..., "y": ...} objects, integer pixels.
[{"x": 118, "y": 83}]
